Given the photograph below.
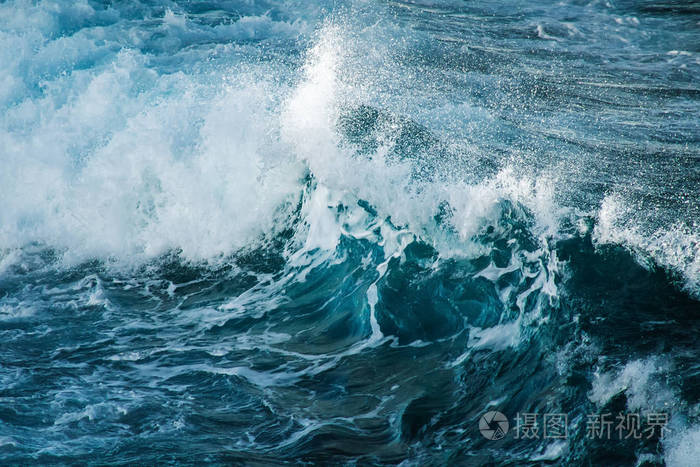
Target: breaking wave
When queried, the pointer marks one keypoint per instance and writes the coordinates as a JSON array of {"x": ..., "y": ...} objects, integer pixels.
[{"x": 327, "y": 234}]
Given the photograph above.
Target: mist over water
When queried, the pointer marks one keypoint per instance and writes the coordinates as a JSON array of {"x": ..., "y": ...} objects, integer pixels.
[{"x": 341, "y": 232}]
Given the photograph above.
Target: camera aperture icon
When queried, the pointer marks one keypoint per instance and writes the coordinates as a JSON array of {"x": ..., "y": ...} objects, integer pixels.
[{"x": 493, "y": 425}]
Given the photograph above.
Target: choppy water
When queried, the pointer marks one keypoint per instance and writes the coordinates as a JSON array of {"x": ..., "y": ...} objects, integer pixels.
[{"x": 340, "y": 232}]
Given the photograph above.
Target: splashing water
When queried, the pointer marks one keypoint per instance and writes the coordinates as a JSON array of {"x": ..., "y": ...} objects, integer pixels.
[{"x": 342, "y": 232}]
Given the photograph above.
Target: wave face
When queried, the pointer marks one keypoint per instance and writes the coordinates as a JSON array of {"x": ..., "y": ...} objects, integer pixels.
[{"x": 341, "y": 232}]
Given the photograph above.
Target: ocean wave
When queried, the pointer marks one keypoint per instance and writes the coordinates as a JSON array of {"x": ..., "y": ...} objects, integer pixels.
[{"x": 337, "y": 233}]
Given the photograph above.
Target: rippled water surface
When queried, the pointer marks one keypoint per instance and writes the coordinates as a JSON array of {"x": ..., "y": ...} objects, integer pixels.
[{"x": 340, "y": 232}]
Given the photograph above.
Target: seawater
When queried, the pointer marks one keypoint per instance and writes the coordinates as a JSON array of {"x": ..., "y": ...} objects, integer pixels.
[{"x": 340, "y": 232}]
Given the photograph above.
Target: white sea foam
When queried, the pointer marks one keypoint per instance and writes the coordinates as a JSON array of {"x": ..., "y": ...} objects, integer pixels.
[
  {"x": 330, "y": 83},
  {"x": 644, "y": 384},
  {"x": 133, "y": 190},
  {"x": 121, "y": 162},
  {"x": 499, "y": 337},
  {"x": 676, "y": 247},
  {"x": 640, "y": 380},
  {"x": 682, "y": 449},
  {"x": 118, "y": 160}
]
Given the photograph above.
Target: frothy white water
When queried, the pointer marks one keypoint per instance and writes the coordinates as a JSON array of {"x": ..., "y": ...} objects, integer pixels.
[
  {"x": 676, "y": 247},
  {"x": 333, "y": 81},
  {"x": 644, "y": 383},
  {"x": 683, "y": 448},
  {"x": 101, "y": 173},
  {"x": 105, "y": 156},
  {"x": 120, "y": 161},
  {"x": 641, "y": 383}
]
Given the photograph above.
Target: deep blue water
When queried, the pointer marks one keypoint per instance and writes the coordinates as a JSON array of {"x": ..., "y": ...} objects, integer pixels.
[{"x": 340, "y": 232}]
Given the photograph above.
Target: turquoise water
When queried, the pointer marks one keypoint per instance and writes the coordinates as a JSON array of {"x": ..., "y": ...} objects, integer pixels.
[{"x": 339, "y": 233}]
